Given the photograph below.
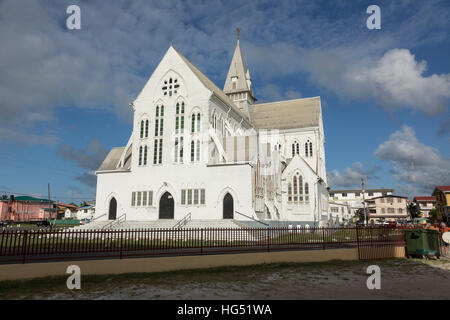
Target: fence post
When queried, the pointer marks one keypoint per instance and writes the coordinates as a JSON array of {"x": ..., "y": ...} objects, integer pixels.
[
  {"x": 268, "y": 239},
  {"x": 24, "y": 246},
  {"x": 121, "y": 243},
  {"x": 323, "y": 238},
  {"x": 201, "y": 241},
  {"x": 357, "y": 242}
]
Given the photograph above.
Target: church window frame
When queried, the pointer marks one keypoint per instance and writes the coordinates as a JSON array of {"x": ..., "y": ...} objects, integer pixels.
[
  {"x": 295, "y": 148},
  {"x": 308, "y": 149},
  {"x": 138, "y": 203},
  {"x": 133, "y": 198},
  {"x": 144, "y": 198},
  {"x": 170, "y": 86}
]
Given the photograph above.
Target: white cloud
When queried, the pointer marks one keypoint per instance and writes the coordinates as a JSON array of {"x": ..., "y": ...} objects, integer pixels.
[
  {"x": 351, "y": 176},
  {"x": 43, "y": 66},
  {"x": 397, "y": 80},
  {"x": 414, "y": 163}
]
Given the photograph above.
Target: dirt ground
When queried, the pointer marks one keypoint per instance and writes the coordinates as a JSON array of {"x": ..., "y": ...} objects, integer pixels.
[{"x": 400, "y": 279}]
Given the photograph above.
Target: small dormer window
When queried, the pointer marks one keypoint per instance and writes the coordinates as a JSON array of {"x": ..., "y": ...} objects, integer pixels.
[{"x": 170, "y": 87}]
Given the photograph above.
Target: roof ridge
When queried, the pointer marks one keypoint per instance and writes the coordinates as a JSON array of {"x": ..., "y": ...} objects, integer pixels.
[
  {"x": 210, "y": 83},
  {"x": 290, "y": 100}
]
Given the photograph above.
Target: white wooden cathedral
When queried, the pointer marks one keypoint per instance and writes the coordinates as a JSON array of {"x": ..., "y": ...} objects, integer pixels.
[{"x": 213, "y": 155}]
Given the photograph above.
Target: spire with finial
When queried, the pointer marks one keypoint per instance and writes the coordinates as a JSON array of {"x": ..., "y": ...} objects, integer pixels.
[{"x": 238, "y": 84}]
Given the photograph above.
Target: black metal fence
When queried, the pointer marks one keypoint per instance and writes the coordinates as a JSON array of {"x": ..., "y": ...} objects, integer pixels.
[{"x": 38, "y": 245}]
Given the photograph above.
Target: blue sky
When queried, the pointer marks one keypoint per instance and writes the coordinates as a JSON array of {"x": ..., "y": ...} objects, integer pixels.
[{"x": 64, "y": 94}]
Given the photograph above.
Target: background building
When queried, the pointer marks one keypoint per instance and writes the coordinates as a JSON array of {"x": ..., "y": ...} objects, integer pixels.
[
  {"x": 354, "y": 197},
  {"x": 387, "y": 208},
  {"x": 25, "y": 208},
  {"x": 425, "y": 204},
  {"x": 442, "y": 195}
]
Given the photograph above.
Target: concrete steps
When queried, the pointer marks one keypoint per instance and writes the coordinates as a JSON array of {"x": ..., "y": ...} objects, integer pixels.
[
  {"x": 92, "y": 225},
  {"x": 157, "y": 224},
  {"x": 211, "y": 224}
]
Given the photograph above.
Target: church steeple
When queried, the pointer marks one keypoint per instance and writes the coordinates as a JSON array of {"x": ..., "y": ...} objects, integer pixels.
[{"x": 238, "y": 84}]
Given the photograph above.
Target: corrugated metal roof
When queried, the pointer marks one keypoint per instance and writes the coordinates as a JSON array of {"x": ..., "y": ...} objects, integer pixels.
[
  {"x": 425, "y": 198},
  {"x": 31, "y": 199},
  {"x": 111, "y": 159},
  {"x": 289, "y": 114}
]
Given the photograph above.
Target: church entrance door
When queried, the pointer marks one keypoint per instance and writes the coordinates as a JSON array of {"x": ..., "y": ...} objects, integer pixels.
[
  {"x": 228, "y": 207},
  {"x": 166, "y": 206},
  {"x": 112, "y": 209}
]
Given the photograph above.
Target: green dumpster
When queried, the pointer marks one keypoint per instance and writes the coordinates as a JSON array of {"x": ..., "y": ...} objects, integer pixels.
[{"x": 422, "y": 242}]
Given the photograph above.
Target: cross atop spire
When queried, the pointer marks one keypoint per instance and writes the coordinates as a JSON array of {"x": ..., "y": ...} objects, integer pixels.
[{"x": 237, "y": 32}]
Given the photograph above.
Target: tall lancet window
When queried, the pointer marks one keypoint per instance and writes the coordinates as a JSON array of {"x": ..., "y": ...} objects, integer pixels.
[
  {"x": 144, "y": 129},
  {"x": 145, "y": 155},
  {"x": 295, "y": 148},
  {"x": 198, "y": 122},
  {"x": 298, "y": 190},
  {"x": 294, "y": 182},
  {"x": 179, "y": 131},
  {"x": 308, "y": 149},
  {"x": 195, "y": 135},
  {"x": 159, "y": 130},
  {"x": 306, "y": 193},
  {"x": 195, "y": 122},
  {"x": 289, "y": 192}
]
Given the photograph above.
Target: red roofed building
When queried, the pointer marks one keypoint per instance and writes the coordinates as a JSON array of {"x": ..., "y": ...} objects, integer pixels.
[
  {"x": 442, "y": 194},
  {"x": 425, "y": 204}
]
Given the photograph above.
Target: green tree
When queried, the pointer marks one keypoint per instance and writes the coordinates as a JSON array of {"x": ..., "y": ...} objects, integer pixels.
[
  {"x": 4, "y": 197},
  {"x": 413, "y": 210},
  {"x": 359, "y": 215}
]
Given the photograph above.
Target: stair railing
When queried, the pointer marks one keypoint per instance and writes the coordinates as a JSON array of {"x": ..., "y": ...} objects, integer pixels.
[
  {"x": 113, "y": 223},
  {"x": 183, "y": 221},
  {"x": 252, "y": 218}
]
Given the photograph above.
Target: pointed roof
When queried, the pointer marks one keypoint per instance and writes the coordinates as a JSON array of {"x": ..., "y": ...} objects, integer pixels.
[
  {"x": 238, "y": 69},
  {"x": 210, "y": 85}
]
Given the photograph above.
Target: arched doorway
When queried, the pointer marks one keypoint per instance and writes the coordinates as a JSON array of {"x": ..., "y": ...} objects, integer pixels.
[
  {"x": 166, "y": 206},
  {"x": 228, "y": 207},
  {"x": 112, "y": 209}
]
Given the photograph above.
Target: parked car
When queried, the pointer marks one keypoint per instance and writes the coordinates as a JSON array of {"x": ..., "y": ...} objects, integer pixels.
[
  {"x": 3, "y": 224},
  {"x": 85, "y": 221},
  {"x": 392, "y": 224}
]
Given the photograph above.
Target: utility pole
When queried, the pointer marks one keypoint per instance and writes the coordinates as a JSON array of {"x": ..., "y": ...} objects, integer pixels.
[
  {"x": 49, "y": 209},
  {"x": 364, "y": 201}
]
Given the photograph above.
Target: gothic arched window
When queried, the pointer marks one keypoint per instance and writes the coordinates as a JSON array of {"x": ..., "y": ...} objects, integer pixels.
[
  {"x": 308, "y": 149},
  {"x": 295, "y": 148},
  {"x": 159, "y": 129},
  {"x": 306, "y": 193}
]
